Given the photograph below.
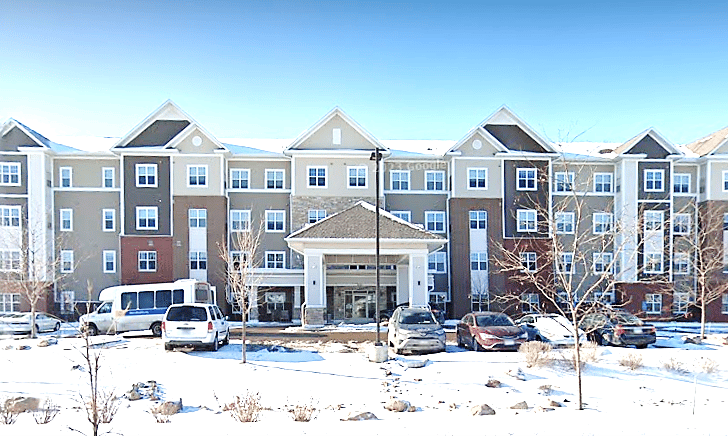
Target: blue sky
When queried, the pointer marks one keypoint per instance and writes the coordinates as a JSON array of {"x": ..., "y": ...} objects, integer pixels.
[{"x": 404, "y": 70}]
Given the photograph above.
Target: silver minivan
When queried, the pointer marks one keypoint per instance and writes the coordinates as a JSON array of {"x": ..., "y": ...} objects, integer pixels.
[{"x": 196, "y": 325}]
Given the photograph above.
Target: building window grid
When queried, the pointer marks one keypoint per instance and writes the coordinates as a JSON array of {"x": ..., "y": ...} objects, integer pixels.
[
  {"x": 725, "y": 181},
  {"x": 435, "y": 222},
  {"x": 564, "y": 222},
  {"x": 275, "y": 259},
  {"x": 724, "y": 304},
  {"x": 602, "y": 223},
  {"x": 316, "y": 215},
  {"x": 66, "y": 177},
  {"x": 653, "y": 263},
  {"x": 436, "y": 262},
  {"x": 479, "y": 261},
  {"x": 681, "y": 263},
  {"x": 681, "y": 183},
  {"x": 404, "y": 215},
  {"x": 399, "y": 180},
  {"x": 526, "y": 219},
  {"x": 653, "y": 220},
  {"x": 274, "y": 179},
  {"x": 197, "y": 175},
  {"x": 603, "y": 182},
  {"x": 146, "y": 218},
  {"x": 198, "y": 260},
  {"x": 275, "y": 220},
  {"x": 477, "y": 178},
  {"x": 66, "y": 261},
  {"x": 653, "y": 303},
  {"x": 239, "y": 220},
  {"x": 529, "y": 303},
  {"x": 528, "y": 260},
  {"x": 107, "y": 177},
  {"x": 9, "y": 260},
  {"x": 146, "y": 175},
  {"x": 565, "y": 263},
  {"x": 478, "y": 220},
  {"x": 358, "y": 176},
  {"x": 563, "y": 181},
  {"x": 147, "y": 261},
  {"x": 109, "y": 257},
  {"x": 526, "y": 179},
  {"x": 9, "y": 302},
  {"x": 654, "y": 180},
  {"x": 66, "y": 220},
  {"x": 317, "y": 177},
  {"x": 10, "y": 173},
  {"x": 434, "y": 180},
  {"x": 681, "y": 224},
  {"x": 9, "y": 216},
  {"x": 602, "y": 263},
  {"x": 680, "y": 302},
  {"x": 239, "y": 178},
  {"x": 197, "y": 218}
]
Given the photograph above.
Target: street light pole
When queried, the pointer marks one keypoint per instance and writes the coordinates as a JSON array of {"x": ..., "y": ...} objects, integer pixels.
[{"x": 377, "y": 157}]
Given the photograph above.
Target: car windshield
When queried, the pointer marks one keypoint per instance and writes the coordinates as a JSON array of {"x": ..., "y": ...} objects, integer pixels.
[
  {"x": 187, "y": 313},
  {"x": 626, "y": 318},
  {"x": 493, "y": 320},
  {"x": 417, "y": 318}
]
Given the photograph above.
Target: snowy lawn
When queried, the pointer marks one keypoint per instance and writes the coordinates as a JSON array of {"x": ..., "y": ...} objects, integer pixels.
[{"x": 337, "y": 379}]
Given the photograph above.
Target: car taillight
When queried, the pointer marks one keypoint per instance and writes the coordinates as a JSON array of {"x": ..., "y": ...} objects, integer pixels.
[
  {"x": 618, "y": 330},
  {"x": 209, "y": 326},
  {"x": 164, "y": 328}
]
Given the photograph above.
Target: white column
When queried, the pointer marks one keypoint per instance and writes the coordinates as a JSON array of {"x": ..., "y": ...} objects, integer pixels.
[
  {"x": 418, "y": 279},
  {"x": 314, "y": 277},
  {"x": 402, "y": 284}
]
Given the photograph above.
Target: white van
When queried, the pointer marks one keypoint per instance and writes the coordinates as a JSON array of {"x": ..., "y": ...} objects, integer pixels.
[{"x": 142, "y": 307}]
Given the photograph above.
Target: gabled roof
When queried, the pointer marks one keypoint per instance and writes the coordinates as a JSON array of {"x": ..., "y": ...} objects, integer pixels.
[
  {"x": 710, "y": 143},
  {"x": 652, "y": 134},
  {"x": 336, "y": 111},
  {"x": 504, "y": 116},
  {"x": 484, "y": 133},
  {"x": 37, "y": 138}
]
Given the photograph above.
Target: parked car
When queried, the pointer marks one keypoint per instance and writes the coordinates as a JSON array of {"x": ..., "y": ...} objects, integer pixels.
[
  {"x": 618, "y": 328},
  {"x": 415, "y": 329},
  {"x": 196, "y": 325},
  {"x": 19, "y": 323},
  {"x": 489, "y": 330},
  {"x": 552, "y": 328}
]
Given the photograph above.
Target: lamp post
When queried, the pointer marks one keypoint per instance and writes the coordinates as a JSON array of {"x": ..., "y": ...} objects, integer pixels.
[{"x": 376, "y": 156}]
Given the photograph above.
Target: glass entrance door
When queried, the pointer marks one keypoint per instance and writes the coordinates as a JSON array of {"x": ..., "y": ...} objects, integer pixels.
[{"x": 360, "y": 305}]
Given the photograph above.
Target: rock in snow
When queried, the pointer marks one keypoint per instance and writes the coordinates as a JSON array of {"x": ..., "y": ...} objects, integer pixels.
[
  {"x": 482, "y": 409},
  {"x": 364, "y": 416},
  {"x": 21, "y": 404}
]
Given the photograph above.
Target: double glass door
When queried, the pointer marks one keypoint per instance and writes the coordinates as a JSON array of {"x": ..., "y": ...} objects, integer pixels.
[{"x": 360, "y": 304}]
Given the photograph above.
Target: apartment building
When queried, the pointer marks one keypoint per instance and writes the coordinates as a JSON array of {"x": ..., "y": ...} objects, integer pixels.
[{"x": 157, "y": 204}]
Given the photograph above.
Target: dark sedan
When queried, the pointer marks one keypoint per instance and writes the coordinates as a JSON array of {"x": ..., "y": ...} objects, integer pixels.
[
  {"x": 618, "y": 328},
  {"x": 489, "y": 331}
]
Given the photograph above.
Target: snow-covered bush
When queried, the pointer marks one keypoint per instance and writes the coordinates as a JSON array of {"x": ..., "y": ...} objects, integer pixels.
[
  {"x": 536, "y": 354},
  {"x": 246, "y": 408},
  {"x": 632, "y": 361}
]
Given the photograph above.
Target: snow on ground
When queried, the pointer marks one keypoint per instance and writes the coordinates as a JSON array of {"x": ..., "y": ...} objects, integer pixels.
[{"x": 339, "y": 380}]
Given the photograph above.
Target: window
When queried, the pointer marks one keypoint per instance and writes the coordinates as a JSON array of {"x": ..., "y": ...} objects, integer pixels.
[
  {"x": 653, "y": 220},
  {"x": 357, "y": 177},
  {"x": 526, "y": 220},
  {"x": 435, "y": 222},
  {"x": 107, "y": 177},
  {"x": 680, "y": 302},
  {"x": 681, "y": 183},
  {"x": 198, "y": 260},
  {"x": 317, "y": 177},
  {"x": 197, "y": 175},
  {"x": 528, "y": 260},
  {"x": 275, "y": 220},
  {"x": 529, "y": 303},
  {"x": 315, "y": 215},
  {"x": 9, "y": 302},
  {"x": 725, "y": 181},
  {"x": 435, "y": 180},
  {"x": 274, "y": 179},
  {"x": 66, "y": 261},
  {"x": 239, "y": 178},
  {"x": 602, "y": 223},
  {"x": 564, "y": 222},
  {"x": 565, "y": 263},
  {"x": 681, "y": 224},
  {"x": 275, "y": 259},
  {"x": 336, "y": 136},
  {"x": 109, "y": 257},
  {"x": 10, "y": 216},
  {"x": 653, "y": 303},
  {"x": 403, "y": 215},
  {"x": 66, "y": 220},
  {"x": 9, "y": 174},
  {"x": 9, "y": 260},
  {"x": 564, "y": 182},
  {"x": 147, "y": 261},
  {"x": 477, "y": 178},
  {"x": 146, "y": 175},
  {"x": 653, "y": 263},
  {"x": 436, "y": 262},
  {"x": 399, "y": 180},
  {"x": 653, "y": 180},
  {"x": 681, "y": 263},
  {"x": 603, "y": 182},
  {"x": 479, "y": 261},
  {"x": 66, "y": 174},
  {"x": 526, "y": 179},
  {"x": 146, "y": 218},
  {"x": 478, "y": 219},
  {"x": 239, "y": 220},
  {"x": 602, "y": 263},
  {"x": 108, "y": 220},
  {"x": 723, "y": 306},
  {"x": 198, "y": 218}
]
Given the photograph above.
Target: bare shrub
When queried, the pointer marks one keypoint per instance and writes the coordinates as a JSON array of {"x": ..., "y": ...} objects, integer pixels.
[
  {"x": 633, "y": 361},
  {"x": 546, "y": 389},
  {"x": 588, "y": 353},
  {"x": 246, "y": 408},
  {"x": 707, "y": 365},
  {"x": 47, "y": 413},
  {"x": 536, "y": 353},
  {"x": 303, "y": 412},
  {"x": 161, "y": 418},
  {"x": 674, "y": 365},
  {"x": 8, "y": 415}
]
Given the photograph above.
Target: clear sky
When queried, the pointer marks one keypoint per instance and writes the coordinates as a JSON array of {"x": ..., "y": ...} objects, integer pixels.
[{"x": 404, "y": 70}]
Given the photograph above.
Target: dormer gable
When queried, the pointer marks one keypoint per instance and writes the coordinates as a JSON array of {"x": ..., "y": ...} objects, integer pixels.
[
  {"x": 335, "y": 131},
  {"x": 649, "y": 143},
  {"x": 478, "y": 142},
  {"x": 514, "y": 133},
  {"x": 15, "y": 135}
]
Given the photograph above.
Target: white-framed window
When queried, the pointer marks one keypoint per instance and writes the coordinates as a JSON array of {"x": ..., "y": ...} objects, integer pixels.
[
  {"x": 66, "y": 177},
  {"x": 565, "y": 263},
  {"x": 240, "y": 178},
  {"x": 196, "y": 175},
  {"x": 9, "y": 216},
  {"x": 479, "y": 261},
  {"x": 602, "y": 262},
  {"x": 725, "y": 181},
  {"x": 239, "y": 220},
  {"x": 404, "y": 215},
  {"x": 563, "y": 181},
  {"x": 399, "y": 180},
  {"x": 653, "y": 263},
  {"x": 526, "y": 219},
  {"x": 681, "y": 183},
  {"x": 9, "y": 260},
  {"x": 435, "y": 221},
  {"x": 529, "y": 303},
  {"x": 681, "y": 223},
  {"x": 237, "y": 257},
  {"x": 436, "y": 262},
  {"x": 66, "y": 261},
  {"x": 680, "y": 302},
  {"x": 478, "y": 219},
  {"x": 9, "y": 302},
  {"x": 147, "y": 261},
  {"x": 653, "y": 220},
  {"x": 10, "y": 174},
  {"x": 477, "y": 178},
  {"x": 603, "y": 182},
  {"x": 336, "y": 136},
  {"x": 724, "y": 304},
  {"x": 435, "y": 180},
  {"x": 564, "y": 222},
  {"x": 146, "y": 175},
  {"x": 66, "y": 220},
  {"x": 654, "y": 180},
  {"x": 681, "y": 263},
  {"x": 197, "y": 218},
  {"x": 601, "y": 223},
  {"x": 653, "y": 303},
  {"x": 198, "y": 260},
  {"x": 275, "y": 221},
  {"x": 109, "y": 258},
  {"x": 107, "y": 177},
  {"x": 274, "y": 179},
  {"x": 315, "y": 215},
  {"x": 317, "y": 177},
  {"x": 108, "y": 220},
  {"x": 526, "y": 179},
  {"x": 275, "y": 259},
  {"x": 528, "y": 260},
  {"x": 146, "y": 218},
  {"x": 358, "y": 176}
]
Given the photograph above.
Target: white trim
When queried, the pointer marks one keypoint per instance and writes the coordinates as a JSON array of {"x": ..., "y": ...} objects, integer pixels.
[
  {"x": 206, "y": 175},
  {"x": 61, "y": 219},
  {"x": 272, "y": 171},
  {"x": 523, "y": 216},
  {"x": 391, "y": 180},
  {"x": 156, "y": 217},
  {"x": 275, "y": 252},
  {"x": 267, "y": 221},
  {"x": 70, "y": 177},
  {"x": 308, "y": 176},
  {"x": 113, "y": 220},
  {"x": 485, "y": 177},
  {"x": 611, "y": 184},
  {"x": 357, "y": 168},
  {"x": 434, "y": 214},
  {"x": 103, "y": 261},
  {"x": 661, "y": 172},
  {"x": 103, "y": 177},
  {"x": 139, "y": 260},
  {"x": 528, "y": 170},
  {"x": 568, "y": 223},
  {"x": 242, "y": 170},
  {"x": 444, "y": 181},
  {"x": 9, "y": 166},
  {"x": 147, "y": 166},
  {"x": 63, "y": 255}
]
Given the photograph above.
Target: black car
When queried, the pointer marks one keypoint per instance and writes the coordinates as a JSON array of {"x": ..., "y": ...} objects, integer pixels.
[{"x": 618, "y": 328}]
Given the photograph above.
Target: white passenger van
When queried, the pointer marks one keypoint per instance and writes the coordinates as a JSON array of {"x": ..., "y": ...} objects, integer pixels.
[{"x": 142, "y": 307}]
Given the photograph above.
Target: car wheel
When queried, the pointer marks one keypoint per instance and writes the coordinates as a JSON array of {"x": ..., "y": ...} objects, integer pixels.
[
  {"x": 227, "y": 338},
  {"x": 168, "y": 347},
  {"x": 476, "y": 345},
  {"x": 37, "y": 329},
  {"x": 91, "y": 330},
  {"x": 641, "y": 346},
  {"x": 215, "y": 344},
  {"x": 57, "y": 327},
  {"x": 156, "y": 329}
]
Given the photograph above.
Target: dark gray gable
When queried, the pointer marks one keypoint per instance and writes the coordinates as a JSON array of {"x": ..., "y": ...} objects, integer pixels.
[
  {"x": 159, "y": 133},
  {"x": 514, "y": 138},
  {"x": 16, "y": 138},
  {"x": 649, "y": 147}
]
